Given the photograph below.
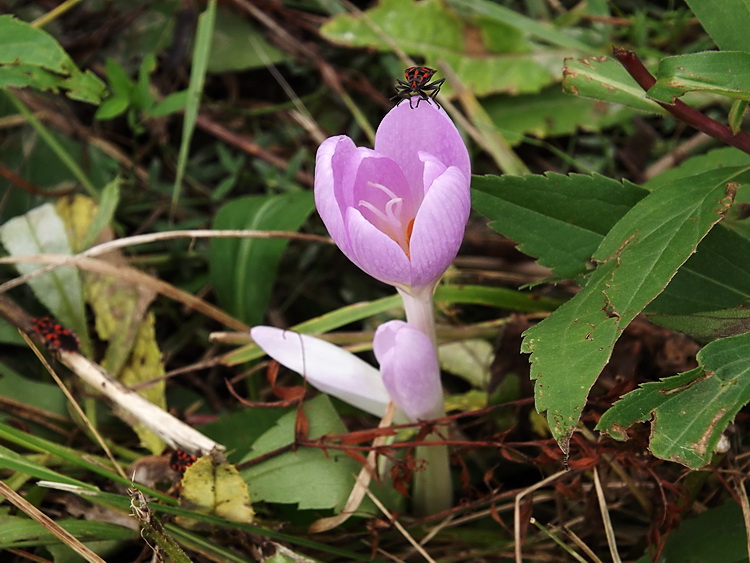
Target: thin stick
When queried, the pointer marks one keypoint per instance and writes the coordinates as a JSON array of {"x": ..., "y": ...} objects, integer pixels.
[
  {"x": 154, "y": 237},
  {"x": 608, "y": 530},
  {"x": 517, "y": 509},
  {"x": 399, "y": 527}
]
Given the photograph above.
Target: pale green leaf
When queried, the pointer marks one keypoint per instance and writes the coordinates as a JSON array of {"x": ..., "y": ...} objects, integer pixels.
[
  {"x": 469, "y": 359},
  {"x": 42, "y": 231}
]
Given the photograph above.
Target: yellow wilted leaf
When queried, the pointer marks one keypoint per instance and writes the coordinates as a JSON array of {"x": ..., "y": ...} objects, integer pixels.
[{"x": 216, "y": 488}]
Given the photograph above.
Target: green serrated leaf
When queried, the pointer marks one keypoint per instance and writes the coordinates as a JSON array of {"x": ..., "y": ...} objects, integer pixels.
[
  {"x": 638, "y": 257},
  {"x": 603, "y": 78},
  {"x": 308, "y": 477},
  {"x": 722, "y": 72},
  {"x": 243, "y": 270},
  {"x": 432, "y": 30},
  {"x": 559, "y": 219},
  {"x": 712, "y": 393}
]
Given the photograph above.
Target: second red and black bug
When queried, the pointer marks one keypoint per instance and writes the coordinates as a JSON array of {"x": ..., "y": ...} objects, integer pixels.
[
  {"x": 180, "y": 460},
  {"x": 418, "y": 85},
  {"x": 55, "y": 336}
]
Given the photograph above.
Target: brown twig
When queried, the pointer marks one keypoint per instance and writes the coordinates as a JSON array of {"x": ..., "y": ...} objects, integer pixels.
[{"x": 635, "y": 67}]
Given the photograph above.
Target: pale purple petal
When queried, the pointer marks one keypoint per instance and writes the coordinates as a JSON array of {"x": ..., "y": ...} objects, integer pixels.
[
  {"x": 326, "y": 367},
  {"x": 409, "y": 366},
  {"x": 375, "y": 252},
  {"x": 336, "y": 166},
  {"x": 439, "y": 226},
  {"x": 404, "y": 132},
  {"x": 432, "y": 169}
]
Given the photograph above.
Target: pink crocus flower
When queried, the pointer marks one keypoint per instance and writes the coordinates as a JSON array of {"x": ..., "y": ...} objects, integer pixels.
[
  {"x": 409, "y": 374},
  {"x": 398, "y": 211}
]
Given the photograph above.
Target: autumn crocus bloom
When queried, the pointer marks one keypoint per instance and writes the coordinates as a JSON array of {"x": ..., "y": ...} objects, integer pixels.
[{"x": 398, "y": 211}]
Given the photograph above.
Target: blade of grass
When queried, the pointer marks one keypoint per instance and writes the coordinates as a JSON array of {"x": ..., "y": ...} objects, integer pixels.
[
  {"x": 35, "y": 514},
  {"x": 53, "y": 143},
  {"x": 201, "y": 51}
]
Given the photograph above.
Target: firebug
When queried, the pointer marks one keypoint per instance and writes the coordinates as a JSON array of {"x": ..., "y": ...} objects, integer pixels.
[
  {"x": 55, "y": 336},
  {"x": 417, "y": 84},
  {"x": 180, "y": 460}
]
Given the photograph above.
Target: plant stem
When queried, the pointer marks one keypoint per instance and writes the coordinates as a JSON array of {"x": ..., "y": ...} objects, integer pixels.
[
  {"x": 433, "y": 489},
  {"x": 635, "y": 67}
]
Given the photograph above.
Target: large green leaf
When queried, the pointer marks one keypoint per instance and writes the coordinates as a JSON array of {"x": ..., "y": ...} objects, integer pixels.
[
  {"x": 30, "y": 57},
  {"x": 712, "y": 393},
  {"x": 603, "y": 78},
  {"x": 432, "y": 30},
  {"x": 308, "y": 477},
  {"x": 570, "y": 216},
  {"x": 727, "y": 23},
  {"x": 559, "y": 219},
  {"x": 243, "y": 270},
  {"x": 723, "y": 72},
  {"x": 637, "y": 259}
]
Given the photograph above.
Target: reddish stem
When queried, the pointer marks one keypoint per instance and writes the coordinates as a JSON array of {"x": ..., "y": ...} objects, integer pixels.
[{"x": 680, "y": 110}]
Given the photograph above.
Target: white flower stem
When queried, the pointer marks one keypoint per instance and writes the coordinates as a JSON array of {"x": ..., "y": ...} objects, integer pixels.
[
  {"x": 419, "y": 310},
  {"x": 433, "y": 488}
]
